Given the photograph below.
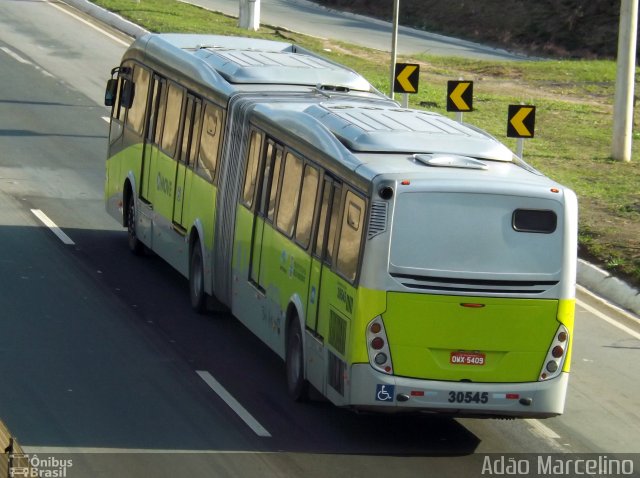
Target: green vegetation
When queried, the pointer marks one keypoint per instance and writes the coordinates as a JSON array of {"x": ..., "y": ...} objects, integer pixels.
[{"x": 574, "y": 101}]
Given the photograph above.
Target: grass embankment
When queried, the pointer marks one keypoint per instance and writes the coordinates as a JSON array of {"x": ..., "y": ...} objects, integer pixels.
[{"x": 573, "y": 118}]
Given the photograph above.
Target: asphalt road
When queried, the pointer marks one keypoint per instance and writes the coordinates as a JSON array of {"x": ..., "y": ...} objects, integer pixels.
[
  {"x": 312, "y": 19},
  {"x": 100, "y": 351}
]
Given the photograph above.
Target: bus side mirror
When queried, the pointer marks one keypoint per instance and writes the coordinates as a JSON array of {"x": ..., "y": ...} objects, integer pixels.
[
  {"x": 110, "y": 92},
  {"x": 128, "y": 92}
]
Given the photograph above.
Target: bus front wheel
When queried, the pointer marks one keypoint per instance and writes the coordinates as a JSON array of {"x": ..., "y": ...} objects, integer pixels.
[
  {"x": 297, "y": 386},
  {"x": 196, "y": 280},
  {"x": 135, "y": 245}
]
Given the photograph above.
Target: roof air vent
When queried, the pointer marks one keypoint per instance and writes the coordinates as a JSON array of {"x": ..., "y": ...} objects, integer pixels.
[{"x": 450, "y": 161}]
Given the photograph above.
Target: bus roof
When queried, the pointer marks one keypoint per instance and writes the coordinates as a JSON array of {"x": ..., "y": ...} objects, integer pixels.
[
  {"x": 379, "y": 138},
  {"x": 388, "y": 128},
  {"x": 245, "y": 61},
  {"x": 382, "y": 127}
]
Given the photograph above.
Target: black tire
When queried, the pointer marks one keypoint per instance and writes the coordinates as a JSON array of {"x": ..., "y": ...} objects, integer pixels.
[
  {"x": 135, "y": 246},
  {"x": 196, "y": 280},
  {"x": 297, "y": 386}
]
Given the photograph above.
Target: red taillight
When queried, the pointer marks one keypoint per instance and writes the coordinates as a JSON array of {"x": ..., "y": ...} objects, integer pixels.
[
  {"x": 557, "y": 351},
  {"x": 377, "y": 343},
  {"x": 512, "y": 396}
]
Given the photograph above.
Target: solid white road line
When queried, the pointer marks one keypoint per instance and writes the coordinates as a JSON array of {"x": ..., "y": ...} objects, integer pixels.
[
  {"x": 52, "y": 225},
  {"x": 24, "y": 61},
  {"x": 15, "y": 56},
  {"x": 233, "y": 403},
  {"x": 95, "y": 27}
]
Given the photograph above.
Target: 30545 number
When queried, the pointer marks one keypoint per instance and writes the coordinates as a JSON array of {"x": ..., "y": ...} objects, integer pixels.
[{"x": 468, "y": 397}]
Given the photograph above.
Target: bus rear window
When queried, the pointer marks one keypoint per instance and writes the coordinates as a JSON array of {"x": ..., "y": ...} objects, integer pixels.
[{"x": 535, "y": 220}]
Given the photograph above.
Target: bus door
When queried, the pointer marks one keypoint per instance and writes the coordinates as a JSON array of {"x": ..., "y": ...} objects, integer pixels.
[
  {"x": 322, "y": 256},
  {"x": 152, "y": 139},
  {"x": 186, "y": 158},
  {"x": 265, "y": 210}
]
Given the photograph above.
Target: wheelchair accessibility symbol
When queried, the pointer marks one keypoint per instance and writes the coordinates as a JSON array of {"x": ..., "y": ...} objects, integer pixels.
[{"x": 384, "y": 393}]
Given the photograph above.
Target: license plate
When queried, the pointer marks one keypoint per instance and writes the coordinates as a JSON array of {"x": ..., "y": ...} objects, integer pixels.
[{"x": 467, "y": 358}]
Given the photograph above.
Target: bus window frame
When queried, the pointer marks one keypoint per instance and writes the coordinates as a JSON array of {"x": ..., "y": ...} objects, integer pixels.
[
  {"x": 342, "y": 192},
  {"x": 151, "y": 120},
  {"x": 253, "y": 204},
  {"x": 143, "y": 120},
  {"x": 117, "y": 107},
  {"x": 196, "y": 130},
  {"x": 188, "y": 114},
  {"x": 183, "y": 91},
  {"x": 363, "y": 226},
  {"x": 212, "y": 175},
  {"x": 308, "y": 165},
  {"x": 271, "y": 218},
  {"x": 327, "y": 183},
  {"x": 298, "y": 157}
]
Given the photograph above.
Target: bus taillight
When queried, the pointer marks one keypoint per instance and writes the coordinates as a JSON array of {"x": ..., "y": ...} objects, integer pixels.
[
  {"x": 556, "y": 355},
  {"x": 378, "y": 346}
]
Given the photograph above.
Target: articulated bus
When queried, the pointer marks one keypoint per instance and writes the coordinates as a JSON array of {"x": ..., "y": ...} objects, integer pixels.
[{"x": 397, "y": 260}]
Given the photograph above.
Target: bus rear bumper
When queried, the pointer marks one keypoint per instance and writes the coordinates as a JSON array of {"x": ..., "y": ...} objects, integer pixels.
[{"x": 374, "y": 391}]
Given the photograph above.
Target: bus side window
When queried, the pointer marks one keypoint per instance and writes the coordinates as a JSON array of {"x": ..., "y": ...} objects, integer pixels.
[
  {"x": 135, "y": 114},
  {"x": 162, "y": 107},
  {"x": 210, "y": 141},
  {"x": 274, "y": 183},
  {"x": 172, "y": 119},
  {"x": 290, "y": 194},
  {"x": 153, "y": 108},
  {"x": 307, "y": 205},
  {"x": 195, "y": 133},
  {"x": 350, "y": 236},
  {"x": 333, "y": 224},
  {"x": 185, "y": 143},
  {"x": 265, "y": 177},
  {"x": 115, "y": 110},
  {"x": 251, "y": 176},
  {"x": 318, "y": 248}
]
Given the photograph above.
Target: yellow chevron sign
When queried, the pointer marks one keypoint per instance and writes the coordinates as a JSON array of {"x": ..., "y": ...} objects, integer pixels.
[
  {"x": 521, "y": 121},
  {"x": 459, "y": 96},
  {"x": 407, "y": 76}
]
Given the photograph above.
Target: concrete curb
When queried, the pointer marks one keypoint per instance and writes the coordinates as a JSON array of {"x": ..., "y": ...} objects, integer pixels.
[
  {"x": 593, "y": 278},
  {"x": 604, "y": 284}
]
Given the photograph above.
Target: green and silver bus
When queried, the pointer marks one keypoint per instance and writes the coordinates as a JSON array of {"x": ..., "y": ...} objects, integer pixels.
[{"x": 395, "y": 259}]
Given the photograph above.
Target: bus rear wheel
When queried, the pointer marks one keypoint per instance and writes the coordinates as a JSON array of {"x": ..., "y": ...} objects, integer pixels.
[
  {"x": 135, "y": 245},
  {"x": 196, "y": 280},
  {"x": 297, "y": 386}
]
